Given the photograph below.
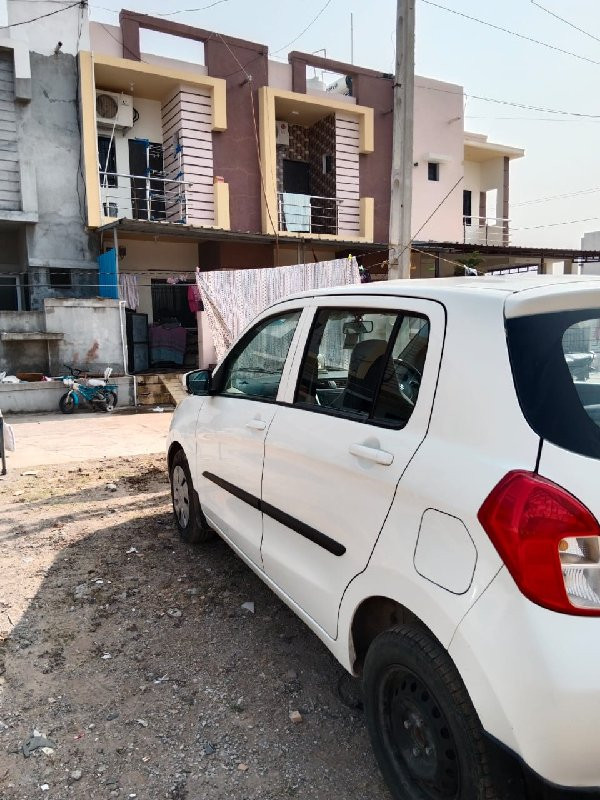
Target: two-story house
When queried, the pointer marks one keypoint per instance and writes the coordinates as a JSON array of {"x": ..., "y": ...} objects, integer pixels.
[{"x": 244, "y": 161}]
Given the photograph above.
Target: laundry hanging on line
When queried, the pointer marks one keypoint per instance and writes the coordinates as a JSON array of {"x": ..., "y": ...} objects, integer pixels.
[
  {"x": 233, "y": 298},
  {"x": 129, "y": 290}
]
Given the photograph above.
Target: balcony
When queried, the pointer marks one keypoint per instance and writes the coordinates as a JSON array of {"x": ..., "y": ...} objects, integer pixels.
[
  {"x": 159, "y": 199},
  {"x": 486, "y": 230},
  {"x": 154, "y": 199},
  {"x": 299, "y": 213}
]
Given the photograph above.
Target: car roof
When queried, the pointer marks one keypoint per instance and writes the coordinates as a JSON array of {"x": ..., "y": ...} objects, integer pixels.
[{"x": 519, "y": 293}]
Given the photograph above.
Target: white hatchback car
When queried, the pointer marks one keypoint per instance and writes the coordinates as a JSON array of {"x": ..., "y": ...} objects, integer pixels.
[{"x": 413, "y": 467}]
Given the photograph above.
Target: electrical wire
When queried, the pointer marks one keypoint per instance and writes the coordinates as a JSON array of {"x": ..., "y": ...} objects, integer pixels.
[
  {"x": 593, "y": 190},
  {"x": 509, "y": 102},
  {"x": 168, "y": 13},
  {"x": 566, "y": 21},
  {"x": 301, "y": 34},
  {"x": 512, "y": 33},
  {"x": 80, "y": 3}
]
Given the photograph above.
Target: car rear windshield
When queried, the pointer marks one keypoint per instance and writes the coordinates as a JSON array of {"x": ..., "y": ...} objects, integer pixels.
[{"x": 556, "y": 366}]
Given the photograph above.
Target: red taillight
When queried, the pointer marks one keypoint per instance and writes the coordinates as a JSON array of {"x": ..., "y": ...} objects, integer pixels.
[{"x": 530, "y": 520}]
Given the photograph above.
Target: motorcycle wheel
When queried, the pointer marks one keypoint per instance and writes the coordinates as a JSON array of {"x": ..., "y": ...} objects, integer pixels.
[{"x": 67, "y": 403}]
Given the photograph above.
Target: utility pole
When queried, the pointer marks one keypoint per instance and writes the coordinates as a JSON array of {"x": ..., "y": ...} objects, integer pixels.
[{"x": 402, "y": 143}]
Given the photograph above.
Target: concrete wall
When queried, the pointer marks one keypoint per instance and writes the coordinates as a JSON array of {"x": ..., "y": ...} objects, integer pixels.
[
  {"x": 439, "y": 132},
  {"x": 23, "y": 356},
  {"x": 93, "y": 334},
  {"x": 70, "y": 26},
  {"x": 32, "y": 398},
  {"x": 48, "y": 132}
]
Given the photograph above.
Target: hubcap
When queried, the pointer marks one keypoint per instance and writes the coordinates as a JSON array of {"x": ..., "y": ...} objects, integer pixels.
[
  {"x": 417, "y": 735},
  {"x": 181, "y": 496}
]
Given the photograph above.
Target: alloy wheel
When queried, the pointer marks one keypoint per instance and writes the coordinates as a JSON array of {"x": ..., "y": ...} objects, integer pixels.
[{"x": 181, "y": 496}]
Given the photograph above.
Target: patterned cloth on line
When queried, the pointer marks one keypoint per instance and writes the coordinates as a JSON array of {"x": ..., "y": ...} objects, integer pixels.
[{"x": 233, "y": 298}]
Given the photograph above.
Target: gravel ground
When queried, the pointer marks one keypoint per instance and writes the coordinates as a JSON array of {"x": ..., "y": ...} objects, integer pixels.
[{"x": 130, "y": 655}]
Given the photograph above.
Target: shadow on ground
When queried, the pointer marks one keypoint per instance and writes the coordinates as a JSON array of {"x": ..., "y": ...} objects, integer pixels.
[{"x": 133, "y": 655}]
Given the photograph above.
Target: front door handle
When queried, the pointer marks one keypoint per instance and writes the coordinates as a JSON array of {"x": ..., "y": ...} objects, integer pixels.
[
  {"x": 372, "y": 454},
  {"x": 256, "y": 425}
]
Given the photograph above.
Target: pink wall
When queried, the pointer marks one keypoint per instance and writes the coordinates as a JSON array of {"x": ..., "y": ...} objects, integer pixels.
[{"x": 439, "y": 131}]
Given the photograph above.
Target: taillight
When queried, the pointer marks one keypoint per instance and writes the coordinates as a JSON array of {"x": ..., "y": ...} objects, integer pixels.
[{"x": 549, "y": 541}]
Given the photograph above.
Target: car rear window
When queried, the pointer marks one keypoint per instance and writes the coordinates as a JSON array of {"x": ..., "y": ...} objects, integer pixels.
[{"x": 556, "y": 367}]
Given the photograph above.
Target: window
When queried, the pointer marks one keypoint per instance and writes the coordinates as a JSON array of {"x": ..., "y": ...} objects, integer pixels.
[
  {"x": 467, "y": 206},
  {"x": 255, "y": 367},
  {"x": 555, "y": 363},
  {"x": 364, "y": 364},
  {"x": 108, "y": 161},
  {"x": 60, "y": 278},
  {"x": 433, "y": 171}
]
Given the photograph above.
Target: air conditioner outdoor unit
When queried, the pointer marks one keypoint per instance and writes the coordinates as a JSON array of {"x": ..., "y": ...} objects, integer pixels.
[{"x": 114, "y": 110}]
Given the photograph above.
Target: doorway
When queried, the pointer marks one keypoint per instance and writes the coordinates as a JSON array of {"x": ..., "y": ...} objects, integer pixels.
[
  {"x": 296, "y": 176},
  {"x": 147, "y": 197}
]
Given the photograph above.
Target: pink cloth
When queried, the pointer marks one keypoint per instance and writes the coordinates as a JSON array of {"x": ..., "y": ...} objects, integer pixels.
[{"x": 194, "y": 299}]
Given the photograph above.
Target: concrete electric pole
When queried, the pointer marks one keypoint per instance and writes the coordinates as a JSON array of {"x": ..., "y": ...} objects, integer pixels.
[{"x": 402, "y": 145}]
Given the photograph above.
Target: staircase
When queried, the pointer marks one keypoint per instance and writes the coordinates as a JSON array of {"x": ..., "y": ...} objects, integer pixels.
[{"x": 160, "y": 390}]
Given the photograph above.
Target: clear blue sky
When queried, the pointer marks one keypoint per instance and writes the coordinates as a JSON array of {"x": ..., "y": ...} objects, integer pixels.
[{"x": 562, "y": 152}]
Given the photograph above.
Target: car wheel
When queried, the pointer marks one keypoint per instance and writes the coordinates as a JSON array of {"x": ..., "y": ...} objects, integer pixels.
[
  {"x": 424, "y": 729},
  {"x": 190, "y": 520}
]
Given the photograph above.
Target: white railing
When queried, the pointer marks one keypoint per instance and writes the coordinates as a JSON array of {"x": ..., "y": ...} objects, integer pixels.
[
  {"x": 486, "y": 230},
  {"x": 139, "y": 197},
  {"x": 302, "y": 213}
]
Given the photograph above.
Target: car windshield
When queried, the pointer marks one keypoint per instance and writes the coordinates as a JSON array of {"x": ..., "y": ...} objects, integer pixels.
[{"x": 556, "y": 366}]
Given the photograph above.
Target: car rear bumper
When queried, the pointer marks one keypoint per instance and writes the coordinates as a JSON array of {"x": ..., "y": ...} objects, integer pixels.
[{"x": 534, "y": 678}]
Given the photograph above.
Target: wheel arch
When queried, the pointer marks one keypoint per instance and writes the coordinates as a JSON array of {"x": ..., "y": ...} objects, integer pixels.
[
  {"x": 373, "y": 616},
  {"x": 174, "y": 448}
]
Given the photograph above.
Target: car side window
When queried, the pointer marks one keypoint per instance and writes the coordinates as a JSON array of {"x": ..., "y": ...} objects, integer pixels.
[
  {"x": 255, "y": 366},
  {"x": 364, "y": 364}
]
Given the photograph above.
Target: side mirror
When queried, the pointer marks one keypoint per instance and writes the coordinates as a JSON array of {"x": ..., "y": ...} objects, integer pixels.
[{"x": 198, "y": 382}]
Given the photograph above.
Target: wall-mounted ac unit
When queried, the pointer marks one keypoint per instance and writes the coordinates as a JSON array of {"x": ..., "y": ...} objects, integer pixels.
[{"x": 114, "y": 110}]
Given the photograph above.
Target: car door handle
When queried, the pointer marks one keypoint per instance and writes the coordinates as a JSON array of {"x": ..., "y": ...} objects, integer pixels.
[
  {"x": 256, "y": 425},
  {"x": 372, "y": 454}
]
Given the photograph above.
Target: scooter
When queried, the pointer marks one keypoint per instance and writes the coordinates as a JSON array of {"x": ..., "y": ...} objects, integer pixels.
[{"x": 96, "y": 392}]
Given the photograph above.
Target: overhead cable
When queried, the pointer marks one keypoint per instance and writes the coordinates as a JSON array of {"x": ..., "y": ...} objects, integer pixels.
[
  {"x": 512, "y": 33},
  {"x": 566, "y": 21}
]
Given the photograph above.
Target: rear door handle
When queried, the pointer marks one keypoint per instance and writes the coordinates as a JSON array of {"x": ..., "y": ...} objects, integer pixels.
[
  {"x": 256, "y": 425},
  {"x": 372, "y": 454}
]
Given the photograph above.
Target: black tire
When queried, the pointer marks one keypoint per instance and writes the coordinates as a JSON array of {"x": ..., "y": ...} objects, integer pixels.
[
  {"x": 193, "y": 527},
  {"x": 424, "y": 730},
  {"x": 66, "y": 403},
  {"x": 110, "y": 401}
]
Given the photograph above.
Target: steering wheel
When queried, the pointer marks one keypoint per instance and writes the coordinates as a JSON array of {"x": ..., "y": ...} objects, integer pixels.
[
  {"x": 402, "y": 363},
  {"x": 409, "y": 385}
]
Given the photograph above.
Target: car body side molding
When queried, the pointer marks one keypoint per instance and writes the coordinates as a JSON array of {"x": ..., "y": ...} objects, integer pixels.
[{"x": 313, "y": 535}]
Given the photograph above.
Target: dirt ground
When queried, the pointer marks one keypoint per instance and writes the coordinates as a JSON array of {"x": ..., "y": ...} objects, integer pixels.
[{"x": 130, "y": 654}]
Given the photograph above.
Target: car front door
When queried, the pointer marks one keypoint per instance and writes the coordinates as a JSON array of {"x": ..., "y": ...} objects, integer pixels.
[
  {"x": 337, "y": 448},
  {"x": 232, "y": 427}
]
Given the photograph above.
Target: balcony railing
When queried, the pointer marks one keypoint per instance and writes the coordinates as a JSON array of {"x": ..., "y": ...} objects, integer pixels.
[
  {"x": 138, "y": 197},
  {"x": 302, "y": 213},
  {"x": 486, "y": 230}
]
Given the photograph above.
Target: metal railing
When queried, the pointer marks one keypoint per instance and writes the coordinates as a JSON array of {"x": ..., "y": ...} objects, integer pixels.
[
  {"x": 304, "y": 213},
  {"x": 486, "y": 230},
  {"x": 138, "y": 197}
]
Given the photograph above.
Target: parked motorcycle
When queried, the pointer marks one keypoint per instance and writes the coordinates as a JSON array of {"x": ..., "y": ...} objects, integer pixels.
[{"x": 96, "y": 392}]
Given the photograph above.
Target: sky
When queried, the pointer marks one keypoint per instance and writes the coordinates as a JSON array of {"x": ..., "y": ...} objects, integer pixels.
[{"x": 562, "y": 150}]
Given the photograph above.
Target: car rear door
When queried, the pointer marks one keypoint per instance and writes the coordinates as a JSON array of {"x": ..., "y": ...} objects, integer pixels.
[
  {"x": 233, "y": 423},
  {"x": 341, "y": 440}
]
